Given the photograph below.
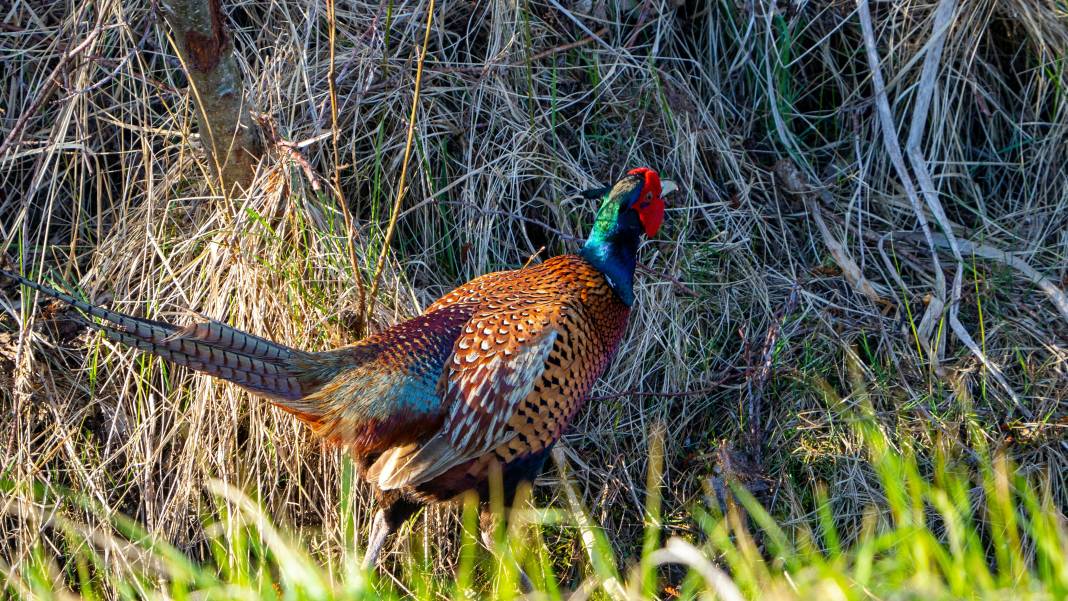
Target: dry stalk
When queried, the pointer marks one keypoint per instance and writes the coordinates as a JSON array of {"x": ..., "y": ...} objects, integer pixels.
[
  {"x": 932, "y": 60},
  {"x": 52, "y": 83},
  {"x": 395, "y": 211},
  {"x": 796, "y": 184},
  {"x": 350, "y": 230},
  {"x": 519, "y": 105},
  {"x": 933, "y": 313}
]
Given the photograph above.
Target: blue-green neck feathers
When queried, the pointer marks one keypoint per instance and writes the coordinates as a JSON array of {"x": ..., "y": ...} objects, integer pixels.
[{"x": 613, "y": 243}]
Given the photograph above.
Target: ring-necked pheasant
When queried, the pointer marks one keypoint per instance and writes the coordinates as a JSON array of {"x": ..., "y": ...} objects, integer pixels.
[{"x": 491, "y": 373}]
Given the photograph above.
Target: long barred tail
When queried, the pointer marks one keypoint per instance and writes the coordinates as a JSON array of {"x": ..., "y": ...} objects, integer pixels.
[{"x": 214, "y": 348}]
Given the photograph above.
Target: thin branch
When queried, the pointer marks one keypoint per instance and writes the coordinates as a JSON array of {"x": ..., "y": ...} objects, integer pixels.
[
  {"x": 291, "y": 149},
  {"x": 350, "y": 242},
  {"x": 757, "y": 383},
  {"x": 395, "y": 212}
]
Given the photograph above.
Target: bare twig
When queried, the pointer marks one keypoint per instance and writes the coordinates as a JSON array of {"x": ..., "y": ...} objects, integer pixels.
[
  {"x": 291, "y": 149},
  {"x": 350, "y": 230},
  {"x": 680, "y": 288},
  {"x": 570, "y": 15},
  {"x": 756, "y": 384},
  {"x": 796, "y": 184}
]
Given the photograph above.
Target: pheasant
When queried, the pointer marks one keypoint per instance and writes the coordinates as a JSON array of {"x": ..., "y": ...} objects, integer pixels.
[{"x": 486, "y": 379}]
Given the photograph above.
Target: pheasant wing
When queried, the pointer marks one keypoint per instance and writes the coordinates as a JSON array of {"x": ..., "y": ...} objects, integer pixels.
[{"x": 495, "y": 364}]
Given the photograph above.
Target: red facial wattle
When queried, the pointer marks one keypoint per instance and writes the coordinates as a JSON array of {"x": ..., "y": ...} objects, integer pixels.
[{"x": 649, "y": 205}]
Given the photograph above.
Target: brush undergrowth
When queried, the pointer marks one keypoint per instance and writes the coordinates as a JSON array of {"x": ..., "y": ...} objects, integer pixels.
[{"x": 951, "y": 349}]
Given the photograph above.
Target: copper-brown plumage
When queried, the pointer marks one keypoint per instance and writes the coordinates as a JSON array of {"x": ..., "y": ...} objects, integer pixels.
[
  {"x": 489, "y": 375},
  {"x": 520, "y": 368}
]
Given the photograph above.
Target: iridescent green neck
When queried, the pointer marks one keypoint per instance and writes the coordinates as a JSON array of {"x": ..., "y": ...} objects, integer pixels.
[{"x": 613, "y": 248}]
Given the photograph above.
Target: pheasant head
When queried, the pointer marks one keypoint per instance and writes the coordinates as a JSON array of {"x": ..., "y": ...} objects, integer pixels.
[{"x": 632, "y": 207}]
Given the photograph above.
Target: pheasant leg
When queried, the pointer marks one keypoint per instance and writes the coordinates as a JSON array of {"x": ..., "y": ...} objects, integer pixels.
[
  {"x": 380, "y": 529},
  {"x": 488, "y": 523}
]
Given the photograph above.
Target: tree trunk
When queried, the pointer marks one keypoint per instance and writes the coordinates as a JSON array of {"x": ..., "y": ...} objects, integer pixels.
[{"x": 230, "y": 137}]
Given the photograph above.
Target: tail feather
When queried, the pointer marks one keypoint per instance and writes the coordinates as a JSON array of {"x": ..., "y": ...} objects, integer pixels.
[{"x": 255, "y": 363}]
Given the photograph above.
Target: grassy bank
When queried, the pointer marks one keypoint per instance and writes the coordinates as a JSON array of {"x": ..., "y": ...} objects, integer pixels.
[
  {"x": 871, "y": 222},
  {"x": 966, "y": 527}
]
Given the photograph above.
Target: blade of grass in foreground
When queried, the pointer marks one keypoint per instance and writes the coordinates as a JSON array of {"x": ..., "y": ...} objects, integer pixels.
[{"x": 957, "y": 528}]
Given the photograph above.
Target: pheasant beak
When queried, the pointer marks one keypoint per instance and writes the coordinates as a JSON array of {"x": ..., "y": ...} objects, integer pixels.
[{"x": 667, "y": 187}]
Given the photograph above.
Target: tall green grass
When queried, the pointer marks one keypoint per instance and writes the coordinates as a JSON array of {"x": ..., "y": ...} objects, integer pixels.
[{"x": 962, "y": 526}]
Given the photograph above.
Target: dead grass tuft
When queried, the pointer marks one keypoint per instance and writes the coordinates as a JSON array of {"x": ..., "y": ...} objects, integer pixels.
[{"x": 522, "y": 104}]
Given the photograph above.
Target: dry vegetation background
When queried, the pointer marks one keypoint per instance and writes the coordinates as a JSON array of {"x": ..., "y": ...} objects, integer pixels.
[{"x": 801, "y": 175}]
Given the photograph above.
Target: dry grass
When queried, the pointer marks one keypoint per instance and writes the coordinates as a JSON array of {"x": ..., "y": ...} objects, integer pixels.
[{"x": 520, "y": 106}]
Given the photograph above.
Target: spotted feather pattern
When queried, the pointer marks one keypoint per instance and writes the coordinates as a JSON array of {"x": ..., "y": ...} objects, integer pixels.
[
  {"x": 499, "y": 360},
  {"x": 565, "y": 309},
  {"x": 480, "y": 391}
]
